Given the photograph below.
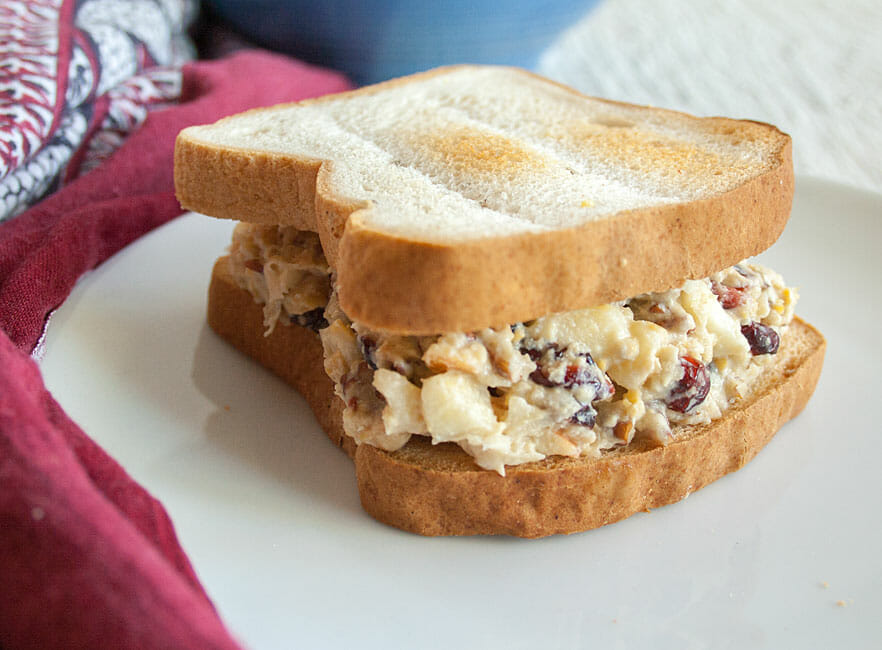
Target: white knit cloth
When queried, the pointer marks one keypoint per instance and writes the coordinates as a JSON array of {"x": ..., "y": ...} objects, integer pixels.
[{"x": 811, "y": 67}]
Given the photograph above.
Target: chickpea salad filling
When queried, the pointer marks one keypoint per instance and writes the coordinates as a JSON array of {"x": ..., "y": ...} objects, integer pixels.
[{"x": 568, "y": 384}]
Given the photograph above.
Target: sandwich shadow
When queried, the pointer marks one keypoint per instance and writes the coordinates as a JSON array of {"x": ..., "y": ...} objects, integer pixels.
[{"x": 264, "y": 423}]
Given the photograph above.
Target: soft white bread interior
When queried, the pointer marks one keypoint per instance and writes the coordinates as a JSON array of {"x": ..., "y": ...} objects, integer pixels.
[
  {"x": 438, "y": 490},
  {"x": 474, "y": 196}
]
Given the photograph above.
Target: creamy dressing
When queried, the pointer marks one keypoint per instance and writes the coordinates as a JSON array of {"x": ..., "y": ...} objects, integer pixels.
[{"x": 569, "y": 384}]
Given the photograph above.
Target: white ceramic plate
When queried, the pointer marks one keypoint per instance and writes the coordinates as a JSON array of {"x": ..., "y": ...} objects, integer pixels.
[{"x": 784, "y": 553}]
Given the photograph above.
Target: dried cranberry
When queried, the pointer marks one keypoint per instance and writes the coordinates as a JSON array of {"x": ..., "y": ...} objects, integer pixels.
[
  {"x": 586, "y": 416},
  {"x": 368, "y": 347},
  {"x": 692, "y": 389},
  {"x": 729, "y": 297},
  {"x": 589, "y": 375},
  {"x": 313, "y": 319},
  {"x": 578, "y": 375},
  {"x": 535, "y": 354},
  {"x": 761, "y": 338},
  {"x": 540, "y": 375}
]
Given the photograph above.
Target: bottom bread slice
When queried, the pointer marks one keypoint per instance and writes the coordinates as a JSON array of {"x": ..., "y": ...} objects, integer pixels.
[{"x": 438, "y": 490}]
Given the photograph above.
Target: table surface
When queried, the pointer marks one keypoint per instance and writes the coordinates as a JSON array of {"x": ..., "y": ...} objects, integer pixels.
[{"x": 809, "y": 67}]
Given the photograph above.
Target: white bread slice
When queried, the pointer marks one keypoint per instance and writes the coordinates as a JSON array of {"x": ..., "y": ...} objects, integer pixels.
[
  {"x": 438, "y": 490},
  {"x": 475, "y": 196}
]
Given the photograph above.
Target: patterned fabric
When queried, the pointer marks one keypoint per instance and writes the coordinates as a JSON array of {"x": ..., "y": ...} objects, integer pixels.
[{"x": 76, "y": 77}]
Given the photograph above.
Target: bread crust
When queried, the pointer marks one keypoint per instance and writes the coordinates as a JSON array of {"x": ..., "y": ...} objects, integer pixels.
[
  {"x": 438, "y": 490},
  {"x": 412, "y": 287},
  {"x": 393, "y": 283}
]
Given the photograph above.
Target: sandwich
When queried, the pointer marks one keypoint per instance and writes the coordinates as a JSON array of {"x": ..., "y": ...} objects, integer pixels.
[{"x": 519, "y": 309}]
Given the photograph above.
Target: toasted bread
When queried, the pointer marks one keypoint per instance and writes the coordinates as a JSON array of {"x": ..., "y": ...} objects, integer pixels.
[
  {"x": 438, "y": 490},
  {"x": 470, "y": 197}
]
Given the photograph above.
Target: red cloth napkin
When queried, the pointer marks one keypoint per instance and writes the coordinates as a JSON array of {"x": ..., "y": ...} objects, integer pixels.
[{"x": 87, "y": 557}]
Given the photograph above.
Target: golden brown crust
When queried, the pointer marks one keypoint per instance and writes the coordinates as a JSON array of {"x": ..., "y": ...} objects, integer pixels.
[
  {"x": 254, "y": 185},
  {"x": 249, "y": 186},
  {"x": 415, "y": 287},
  {"x": 397, "y": 284},
  {"x": 438, "y": 490}
]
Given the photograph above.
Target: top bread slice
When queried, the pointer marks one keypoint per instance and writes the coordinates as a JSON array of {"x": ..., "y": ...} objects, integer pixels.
[{"x": 471, "y": 196}]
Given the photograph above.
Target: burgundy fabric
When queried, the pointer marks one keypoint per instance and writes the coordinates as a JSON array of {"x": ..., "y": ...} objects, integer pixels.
[{"x": 87, "y": 557}]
